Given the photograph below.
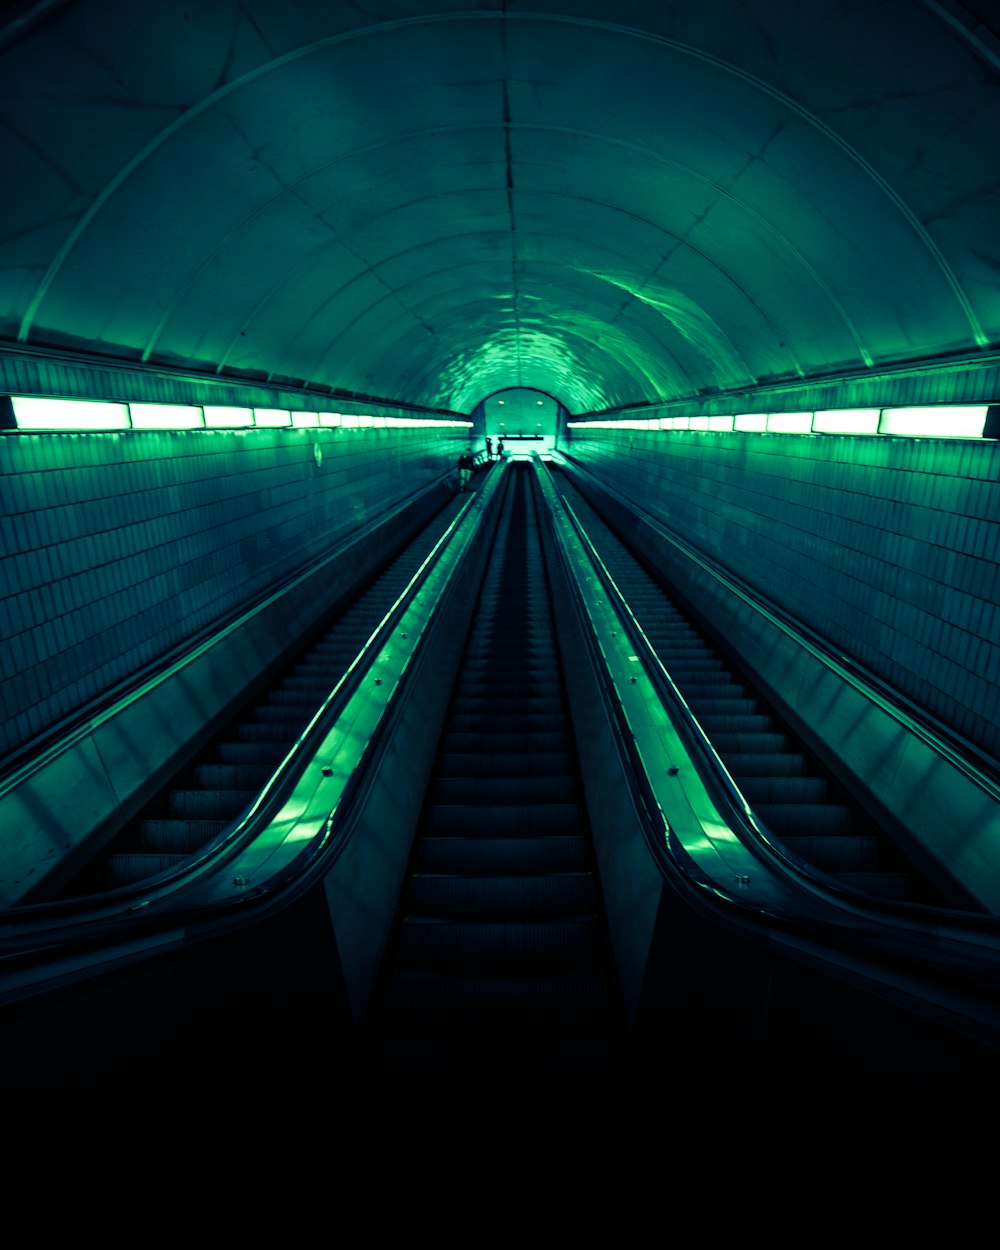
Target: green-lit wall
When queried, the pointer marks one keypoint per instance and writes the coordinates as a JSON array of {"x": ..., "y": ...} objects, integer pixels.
[
  {"x": 118, "y": 547},
  {"x": 888, "y": 547}
]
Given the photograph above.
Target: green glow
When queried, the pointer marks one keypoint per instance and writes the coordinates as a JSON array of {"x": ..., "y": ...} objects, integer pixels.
[
  {"x": 68, "y": 414},
  {"x": 698, "y": 423},
  {"x": 942, "y": 421},
  {"x": 166, "y": 417},
  {"x": 790, "y": 422},
  {"x": 272, "y": 417},
  {"x": 303, "y": 420},
  {"x": 720, "y": 423},
  {"x": 332, "y": 419},
  {"x": 750, "y": 421},
  {"x": 846, "y": 421},
  {"x": 217, "y": 417}
]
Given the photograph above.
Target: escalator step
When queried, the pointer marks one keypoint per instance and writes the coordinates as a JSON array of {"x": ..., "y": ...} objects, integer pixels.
[
  {"x": 502, "y": 701},
  {"x": 505, "y": 856},
  {"x": 730, "y": 745},
  {"x": 267, "y": 732},
  {"x": 209, "y": 804},
  {"x": 454, "y": 743},
  {"x": 764, "y": 763},
  {"x": 501, "y": 686},
  {"x": 528, "y": 721},
  {"x": 546, "y": 791},
  {"x": 292, "y": 699},
  {"x": 806, "y": 819},
  {"x": 889, "y": 885},
  {"x": 505, "y": 764},
  {"x": 124, "y": 868},
  {"x": 715, "y": 723},
  {"x": 319, "y": 683},
  {"x": 694, "y": 674},
  {"x": 584, "y": 1057},
  {"x": 563, "y": 894},
  {"x": 559, "y": 999},
  {"x": 701, "y": 693},
  {"x": 178, "y": 837},
  {"x": 264, "y": 752},
  {"x": 721, "y": 706},
  {"x": 288, "y": 719},
  {"x": 231, "y": 776},
  {"x": 436, "y": 944},
  {"x": 784, "y": 790},
  {"x": 841, "y": 854},
  {"x": 503, "y": 820},
  {"x": 504, "y": 662}
]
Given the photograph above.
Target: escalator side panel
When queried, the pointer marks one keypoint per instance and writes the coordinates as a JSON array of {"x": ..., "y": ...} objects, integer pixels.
[
  {"x": 362, "y": 888},
  {"x": 631, "y": 881}
]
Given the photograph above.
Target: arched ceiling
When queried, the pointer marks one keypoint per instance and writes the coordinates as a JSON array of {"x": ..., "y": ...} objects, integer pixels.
[{"x": 428, "y": 202}]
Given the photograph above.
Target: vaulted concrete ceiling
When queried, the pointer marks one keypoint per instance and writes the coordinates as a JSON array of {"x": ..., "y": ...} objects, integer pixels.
[{"x": 429, "y": 201}]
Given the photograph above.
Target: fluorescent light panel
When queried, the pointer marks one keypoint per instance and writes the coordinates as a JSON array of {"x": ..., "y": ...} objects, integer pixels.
[
  {"x": 272, "y": 417},
  {"x": 221, "y": 417},
  {"x": 166, "y": 417},
  {"x": 846, "y": 421},
  {"x": 34, "y": 413},
  {"x": 943, "y": 421},
  {"x": 790, "y": 422}
]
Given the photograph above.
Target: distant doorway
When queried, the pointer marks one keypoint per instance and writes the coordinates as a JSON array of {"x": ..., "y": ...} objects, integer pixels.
[{"x": 524, "y": 419}]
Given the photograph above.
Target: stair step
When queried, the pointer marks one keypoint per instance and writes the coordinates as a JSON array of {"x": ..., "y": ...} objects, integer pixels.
[
  {"x": 441, "y": 944},
  {"x": 178, "y": 837},
  {"x": 127, "y": 868},
  {"x": 562, "y": 894},
  {"x": 440, "y": 1000},
  {"x": 842, "y": 854},
  {"x": 504, "y": 791}
]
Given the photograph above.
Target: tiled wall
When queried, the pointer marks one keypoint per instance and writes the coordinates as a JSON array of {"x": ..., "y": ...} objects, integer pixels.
[
  {"x": 888, "y": 547},
  {"x": 114, "y": 548}
]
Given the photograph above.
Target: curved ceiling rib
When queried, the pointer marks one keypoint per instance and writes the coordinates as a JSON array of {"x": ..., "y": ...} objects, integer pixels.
[
  {"x": 677, "y": 200},
  {"x": 310, "y": 260}
]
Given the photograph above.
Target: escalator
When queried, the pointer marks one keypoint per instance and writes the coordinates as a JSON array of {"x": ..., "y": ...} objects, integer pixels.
[
  {"x": 500, "y": 966},
  {"x": 497, "y": 983},
  {"x": 798, "y": 801},
  {"x": 225, "y": 777}
]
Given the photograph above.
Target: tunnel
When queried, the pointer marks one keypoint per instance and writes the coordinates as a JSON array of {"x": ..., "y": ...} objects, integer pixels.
[{"x": 721, "y": 278}]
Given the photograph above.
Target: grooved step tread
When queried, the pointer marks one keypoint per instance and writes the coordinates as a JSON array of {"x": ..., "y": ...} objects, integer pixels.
[
  {"x": 502, "y": 856},
  {"x": 437, "y": 944},
  {"x": 492, "y": 897}
]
